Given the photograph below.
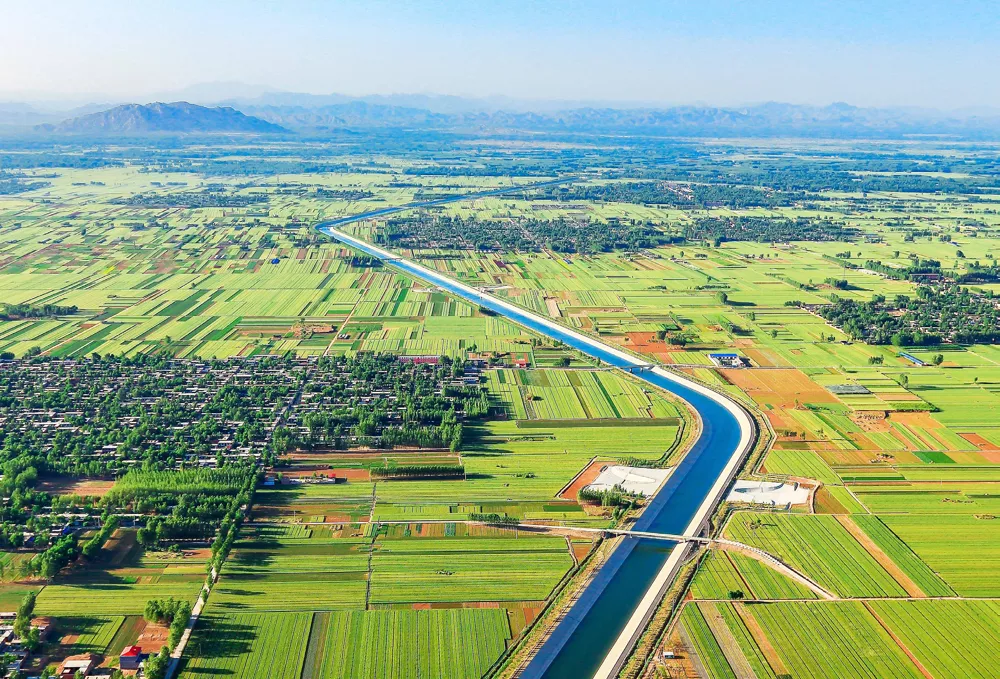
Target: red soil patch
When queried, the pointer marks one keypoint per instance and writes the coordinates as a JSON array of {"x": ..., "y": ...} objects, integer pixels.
[
  {"x": 642, "y": 341},
  {"x": 582, "y": 549},
  {"x": 121, "y": 544},
  {"x": 76, "y": 487},
  {"x": 781, "y": 388},
  {"x": 152, "y": 638},
  {"x": 981, "y": 443},
  {"x": 583, "y": 479},
  {"x": 827, "y": 503}
]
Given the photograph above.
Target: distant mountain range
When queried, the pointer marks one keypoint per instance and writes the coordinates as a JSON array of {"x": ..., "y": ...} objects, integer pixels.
[
  {"x": 319, "y": 115},
  {"x": 764, "y": 120},
  {"x": 177, "y": 117}
]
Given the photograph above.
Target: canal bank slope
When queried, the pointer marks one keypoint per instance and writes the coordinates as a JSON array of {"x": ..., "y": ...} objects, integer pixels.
[{"x": 598, "y": 633}]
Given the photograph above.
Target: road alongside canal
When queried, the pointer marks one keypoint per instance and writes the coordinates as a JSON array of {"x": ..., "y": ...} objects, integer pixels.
[{"x": 598, "y": 633}]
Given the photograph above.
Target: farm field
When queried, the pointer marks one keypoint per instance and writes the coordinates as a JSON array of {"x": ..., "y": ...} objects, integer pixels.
[
  {"x": 97, "y": 607},
  {"x": 821, "y": 547},
  {"x": 250, "y": 645},
  {"x": 339, "y": 567},
  {"x": 835, "y": 639},
  {"x": 453, "y": 569},
  {"x": 452, "y": 644}
]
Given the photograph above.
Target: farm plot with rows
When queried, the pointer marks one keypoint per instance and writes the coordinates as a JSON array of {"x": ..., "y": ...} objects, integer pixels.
[
  {"x": 902, "y": 555},
  {"x": 952, "y": 639},
  {"x": 442, "y": 570},
  {"x": 243, "y": 646},
  {"x": 831, "y": 640},
  {"x": 402, "y": 644},
  {"x": 954, "y": 547},
  {"x": 821, "y": 547},
  {"x": 722, "y": 573},
  {"x": 289, "y": 591},
  {"x": 575, "y": 394},
  {"x": 92, "y": 634},
  {"x": 724, "y": 644},
  {"x": 101, "y": 597}
]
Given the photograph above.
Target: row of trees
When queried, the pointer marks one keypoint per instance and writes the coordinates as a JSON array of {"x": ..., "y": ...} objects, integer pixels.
[
  {"x": 417, "y": 471},
  {"x": 169, "y": 612},
  {"x": 10, "y": 312}
]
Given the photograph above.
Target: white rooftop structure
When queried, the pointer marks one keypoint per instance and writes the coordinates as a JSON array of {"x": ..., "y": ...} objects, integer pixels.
[
  {"x": 641, "y": 480},
  {"x": 768, "y": 493}
]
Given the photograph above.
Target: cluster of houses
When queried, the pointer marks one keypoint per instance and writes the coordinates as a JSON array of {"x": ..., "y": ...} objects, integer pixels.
[
  {"x": 18, "y": 660},
  {"x": 130, "y": 662},
  {"x": 188, "y": 386}
]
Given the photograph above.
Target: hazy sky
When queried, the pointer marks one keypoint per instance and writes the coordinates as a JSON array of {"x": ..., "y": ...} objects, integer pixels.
[{"x": 941, "y": 53}]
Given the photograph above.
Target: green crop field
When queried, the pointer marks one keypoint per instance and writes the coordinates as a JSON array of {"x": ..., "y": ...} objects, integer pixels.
[
  {"x": 821, "y": 547},
  {"x": 955, "y": 547},
  {"x": 857, "y": 281},
  {"x": 94, "y": 635},
  {"x": 709, "y": 651},
  {"x": 839, "y": 639},
  {"x": 902, "y": 555},
  {"x": 249, "y": 645},
  {"x": 425, "y": 570},
  {"x": 100, "y": 598},
  {"x": 452, "y": 644},
  {"x": 949, "y": 638}
]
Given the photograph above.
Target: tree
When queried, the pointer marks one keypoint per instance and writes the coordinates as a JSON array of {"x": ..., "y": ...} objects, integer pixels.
[
  {"x": 34, "y": 639},
  {"x": 179, "y": 624},
  {"x": 938, "y": 359},
  {"x": 722, "y": 297},
  {"x": 156, "y": 665},
  {"x": 25, "y": 611}
]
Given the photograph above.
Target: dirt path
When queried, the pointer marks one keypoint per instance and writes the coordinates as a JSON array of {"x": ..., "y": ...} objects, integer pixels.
[
  {"x": 727, "y": 642},
  {"x": 763, "y": 643},
  {"x": 883, "y": 559},
  {"x": 899, "y": 642},
  {"x": 772, "y": 562}
]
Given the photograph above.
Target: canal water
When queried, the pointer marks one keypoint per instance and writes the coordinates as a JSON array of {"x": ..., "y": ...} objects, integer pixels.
[{"x": 579, "y": 644}]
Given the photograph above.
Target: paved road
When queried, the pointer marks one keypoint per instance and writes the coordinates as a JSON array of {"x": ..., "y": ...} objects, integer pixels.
[{"x": 595, "y": 637}]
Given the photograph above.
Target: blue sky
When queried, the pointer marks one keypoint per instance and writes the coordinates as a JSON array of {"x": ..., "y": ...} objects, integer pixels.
[{"x": 942, "y": 54}]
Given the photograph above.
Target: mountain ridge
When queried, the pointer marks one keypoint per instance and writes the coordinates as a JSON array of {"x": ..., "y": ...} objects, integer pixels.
[
  {"x": 772, "y": 119},
  {"x": 159, "y": 117},
  {"x": 321, "y": 115}
]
